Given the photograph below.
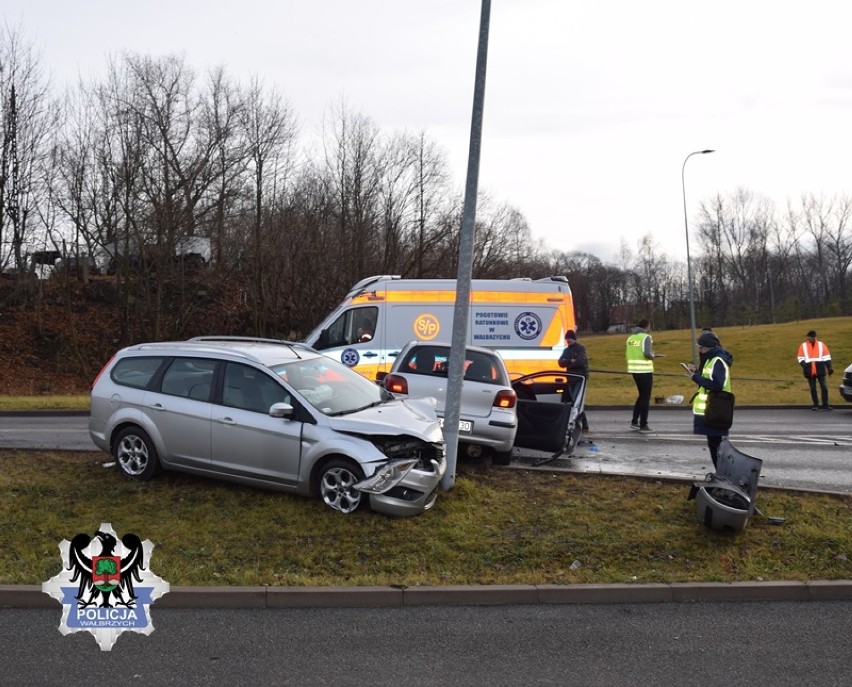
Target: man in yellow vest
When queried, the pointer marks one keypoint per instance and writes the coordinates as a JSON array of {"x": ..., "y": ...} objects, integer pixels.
[
  {"x": 815, "y": 359},
  {"x": 640, "y": 363}
]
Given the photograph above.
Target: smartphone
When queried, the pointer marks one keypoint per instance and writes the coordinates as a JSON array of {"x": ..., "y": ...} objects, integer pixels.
[{"x": 686, "y": 367}]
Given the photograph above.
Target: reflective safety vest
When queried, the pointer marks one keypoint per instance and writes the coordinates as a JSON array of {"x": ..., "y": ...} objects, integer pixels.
[
  {"x": 816, "y": 355},
  {"x": 699, "y": 403},
  {"x": 637, "y": 363}
]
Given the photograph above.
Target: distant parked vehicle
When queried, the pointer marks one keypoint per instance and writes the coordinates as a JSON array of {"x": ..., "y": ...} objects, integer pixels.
[
  {"x": 271, "y": 414},
  {"x": 76, "y": 266},
  {"x": 846, "y": 384},
  {"x": 488, "y": 422}
]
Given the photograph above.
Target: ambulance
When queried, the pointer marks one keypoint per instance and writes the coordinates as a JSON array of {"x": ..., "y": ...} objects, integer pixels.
[{"x": 525, "y": 320}]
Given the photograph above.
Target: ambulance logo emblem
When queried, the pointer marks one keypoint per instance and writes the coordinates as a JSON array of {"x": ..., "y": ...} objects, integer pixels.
[
  {"x": 350, "y": 357},
  {"x": 106, "y": 586},
  {"x": 426, "y": 327},
  {"x": 528, "y": 326}
]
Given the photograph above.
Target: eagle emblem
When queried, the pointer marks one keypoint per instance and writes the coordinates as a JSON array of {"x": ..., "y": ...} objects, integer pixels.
[{"x": 105, "y": 587}]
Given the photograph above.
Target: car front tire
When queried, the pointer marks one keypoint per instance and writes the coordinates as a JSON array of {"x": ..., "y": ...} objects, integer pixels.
[
  {"x": 336, "y": 486},
  {"x": 135, "y": 454}
]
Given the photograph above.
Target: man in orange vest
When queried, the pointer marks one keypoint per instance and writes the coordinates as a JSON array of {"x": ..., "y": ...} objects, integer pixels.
[{"x": 815, "y": 359}]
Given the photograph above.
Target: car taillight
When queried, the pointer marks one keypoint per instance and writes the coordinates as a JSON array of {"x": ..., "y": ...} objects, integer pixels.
[
  {"x": 396, "y": 384},
  {"x": 95, "y": 381},
  {"x": 505, "y": 399}
]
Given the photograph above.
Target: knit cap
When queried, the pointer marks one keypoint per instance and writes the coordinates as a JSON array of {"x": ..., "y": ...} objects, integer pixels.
[{"x": 708, "y": 340}]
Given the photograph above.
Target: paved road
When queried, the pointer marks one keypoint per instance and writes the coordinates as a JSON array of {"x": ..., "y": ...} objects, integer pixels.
[
  {"x": 750, "y": 644},
  {"x": 799, "y": 448}
]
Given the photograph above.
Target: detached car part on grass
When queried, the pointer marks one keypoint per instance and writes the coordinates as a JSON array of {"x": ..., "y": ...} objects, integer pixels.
[{"x": 725, "y": 500}]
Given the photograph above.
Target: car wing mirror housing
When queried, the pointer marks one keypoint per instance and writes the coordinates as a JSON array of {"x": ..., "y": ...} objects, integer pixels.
[{"x": 281, "y": 410}]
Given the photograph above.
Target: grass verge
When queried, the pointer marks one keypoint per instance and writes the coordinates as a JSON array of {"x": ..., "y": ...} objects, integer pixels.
[{"x": 493, "y": 527}]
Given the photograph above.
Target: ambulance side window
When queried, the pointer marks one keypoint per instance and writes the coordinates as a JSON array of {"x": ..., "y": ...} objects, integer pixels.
[
  {"x": 364, "y": 321},
  {"x": 335, "y": 334},
  {"x": 357, "y": 325}
]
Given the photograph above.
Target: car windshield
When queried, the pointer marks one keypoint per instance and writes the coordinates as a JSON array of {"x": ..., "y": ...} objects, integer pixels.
[{"x": 331, "y": 388}]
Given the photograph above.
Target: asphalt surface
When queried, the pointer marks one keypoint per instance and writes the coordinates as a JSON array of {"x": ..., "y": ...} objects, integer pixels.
[
  {"x": 766, "y": 644},
  {"x": 784, "y": 439}
]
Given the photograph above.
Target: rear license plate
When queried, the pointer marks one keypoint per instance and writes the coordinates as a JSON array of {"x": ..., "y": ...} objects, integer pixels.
[{"x": 465, "y": 426}]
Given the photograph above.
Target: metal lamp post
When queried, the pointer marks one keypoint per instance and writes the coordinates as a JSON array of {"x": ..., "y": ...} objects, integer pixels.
[
  {"x": 688, "y": 261},
  {"x": 461, "y": 312}
]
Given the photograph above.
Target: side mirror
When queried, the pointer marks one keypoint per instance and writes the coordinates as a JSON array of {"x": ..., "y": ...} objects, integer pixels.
[
  {"x": 380, "y": 377},
  {"x": 322, "y": 340},
  {"x": 281, "y": 410}
]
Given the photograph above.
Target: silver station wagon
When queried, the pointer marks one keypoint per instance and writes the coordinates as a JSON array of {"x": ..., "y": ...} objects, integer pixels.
[{"x": 271, "y": 414}]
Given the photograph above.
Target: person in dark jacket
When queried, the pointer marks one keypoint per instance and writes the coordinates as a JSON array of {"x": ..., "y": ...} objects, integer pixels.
[
  {"x": 575, "y": 360},
  {"x": 713, "y": 372}
]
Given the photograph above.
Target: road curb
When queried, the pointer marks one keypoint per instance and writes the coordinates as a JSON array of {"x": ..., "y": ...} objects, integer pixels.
[{"x": 31, "y": 596}]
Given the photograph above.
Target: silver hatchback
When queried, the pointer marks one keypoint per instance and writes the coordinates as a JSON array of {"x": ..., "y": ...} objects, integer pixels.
[
  {"x": 270, "y": 414},
  {"x": 488, "y": 417}
]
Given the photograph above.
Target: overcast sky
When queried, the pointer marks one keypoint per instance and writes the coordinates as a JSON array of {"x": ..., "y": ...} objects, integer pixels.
[{"x": 591, "y": 105}]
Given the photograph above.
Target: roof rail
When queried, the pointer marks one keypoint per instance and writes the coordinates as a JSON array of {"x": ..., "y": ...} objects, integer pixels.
[
  {"x": 368, "y": 281},
  {"x": 252, "y": 339}
]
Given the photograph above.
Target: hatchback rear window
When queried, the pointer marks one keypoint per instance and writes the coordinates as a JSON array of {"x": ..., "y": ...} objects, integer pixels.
[
  {"x": 136, "y": 372},
  {"x": 434, "y": 360}
]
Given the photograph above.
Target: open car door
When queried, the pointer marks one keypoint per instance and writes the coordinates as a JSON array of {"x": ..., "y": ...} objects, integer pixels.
[{"x": 547, "y": 416}]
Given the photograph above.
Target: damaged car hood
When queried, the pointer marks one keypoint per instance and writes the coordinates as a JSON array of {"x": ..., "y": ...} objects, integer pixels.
[{"x": 415, "y": 417}]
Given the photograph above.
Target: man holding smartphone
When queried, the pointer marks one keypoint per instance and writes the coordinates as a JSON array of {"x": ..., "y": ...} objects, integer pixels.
[{"x": 712, "y": 373}]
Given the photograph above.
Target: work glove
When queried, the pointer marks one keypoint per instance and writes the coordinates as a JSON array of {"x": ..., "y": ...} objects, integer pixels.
[{"x": 830, "y": 371}]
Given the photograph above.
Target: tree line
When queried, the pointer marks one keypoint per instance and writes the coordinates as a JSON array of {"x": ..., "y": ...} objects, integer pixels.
[{"x": 153, "y": 154}]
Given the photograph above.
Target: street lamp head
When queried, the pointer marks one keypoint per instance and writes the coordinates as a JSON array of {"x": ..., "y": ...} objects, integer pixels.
[{"x": 704, "y": 152}]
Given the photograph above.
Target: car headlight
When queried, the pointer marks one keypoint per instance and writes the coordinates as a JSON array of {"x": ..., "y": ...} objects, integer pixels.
[{"x": 387, "y": 476}]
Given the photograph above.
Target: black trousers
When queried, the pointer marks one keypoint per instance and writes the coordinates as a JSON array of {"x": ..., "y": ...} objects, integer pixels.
[
  {"x": 812, "y": 382},
  {"x": 644, "y": 385},
  {"x": 713, "y": 444}
]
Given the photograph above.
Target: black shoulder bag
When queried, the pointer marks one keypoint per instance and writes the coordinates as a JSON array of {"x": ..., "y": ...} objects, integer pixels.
[{"x": 719, "y": 412}]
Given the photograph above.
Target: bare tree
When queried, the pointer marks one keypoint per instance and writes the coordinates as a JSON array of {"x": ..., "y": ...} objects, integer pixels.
[
  {"x": 27, "y": 119},
  {"x": 353, "y": 173},
  {"x": 270, "y": 131}
]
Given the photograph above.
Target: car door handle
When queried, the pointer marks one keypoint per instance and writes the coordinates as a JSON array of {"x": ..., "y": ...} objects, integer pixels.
[
  {"x": 227, "y": 421},
  {"x": 369, "y": 354},
  {"x": 157, "y": 406},
  {"x": 393, "y": 354}
]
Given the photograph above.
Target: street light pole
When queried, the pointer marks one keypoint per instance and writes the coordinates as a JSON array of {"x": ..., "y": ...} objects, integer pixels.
[
  {"x": 688, "y": 261},
  {"x": 461, "y": 311}
]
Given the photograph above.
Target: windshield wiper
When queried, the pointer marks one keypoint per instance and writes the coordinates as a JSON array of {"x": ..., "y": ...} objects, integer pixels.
[{"x": 369, "y": 405}]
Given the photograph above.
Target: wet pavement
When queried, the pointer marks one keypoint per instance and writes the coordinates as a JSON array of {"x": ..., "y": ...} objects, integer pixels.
[{"x": 799, "y": 449}]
